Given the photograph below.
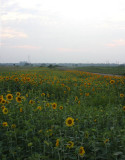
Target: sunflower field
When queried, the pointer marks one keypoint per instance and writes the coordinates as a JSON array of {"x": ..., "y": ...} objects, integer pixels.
[{"x": 48, "y": 114}]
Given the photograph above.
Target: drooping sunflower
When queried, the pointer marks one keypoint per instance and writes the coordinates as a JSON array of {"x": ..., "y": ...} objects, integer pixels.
[
  {"x": 106, "y": 141},
  {"x": 70, "y": 144},
  {"x": 81, "y": 151},
  {"x": 57, "y": 142},
  {"x": 1, "y": 98},
  {"x": 54, "y": 105},
  {"x": 69, "y": 121},
  {"x": 5, "y": 111},
  {"x": 19, "y": 99},
  {"x": 9, "y": 97},
  {"x": 21, "y": 109},
  {"x": 5, "y": 124}
]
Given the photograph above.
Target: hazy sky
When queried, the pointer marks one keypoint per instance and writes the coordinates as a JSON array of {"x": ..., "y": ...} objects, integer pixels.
[{"x": 78, "y": 31}]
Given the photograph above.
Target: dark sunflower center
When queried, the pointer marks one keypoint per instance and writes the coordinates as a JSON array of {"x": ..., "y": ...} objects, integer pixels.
[
  {"x": 9, "y": 97},
  {"x": 69, "y": 121}
]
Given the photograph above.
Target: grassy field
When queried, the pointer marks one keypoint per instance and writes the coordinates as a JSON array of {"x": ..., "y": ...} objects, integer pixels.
[
  {"x": 49, "y": 114},
  {"x": 119, "y": 70}
]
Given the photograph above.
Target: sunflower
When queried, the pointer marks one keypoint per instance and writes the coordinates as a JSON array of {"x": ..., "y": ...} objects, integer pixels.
[
  {"x": 5, "y": 111},
  {"x": 21, "y": 109},
  {"x": 76, "y": 98},
  {"x": 61, "y": 107},
  {"x": 86, "y": 94},
  {"x": 54, "y": 105},
  {"x": 5, "y": 124},
  {"x": 43, "y": 94},
  {"x": 69, "y": 121},
  {"x": 1, "y": 96},
  {"x": 123, "y": 108},
  {"x": 3, "y": 101},
  {"x": 3, "y": 107},
  {"x": 39, "y": 108},
  {"x": 112, "y": 81},
  {"x": 18, "y": 94},
  {"x": 81, "y": 151},
  {"x": 70, "y": 144},
  {"x": 106, "y": 141},
  {"x": 57, "y": 142},
  {"x": 19, "y": 99},
  {"x": 31, "y": 102},
  {"x": 13, "y": 126},
  {"x": 9, "y": 97},
  {"x": 121, "y": 95},
  {"x": 16, "y": 79}
]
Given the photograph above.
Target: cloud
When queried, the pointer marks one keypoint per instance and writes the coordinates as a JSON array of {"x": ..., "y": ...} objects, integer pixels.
[
  {"x": 12, "y": 16},
  {"x": 115, "y": 43},
  {"x": 11, "y": 33},
  {"x": 69, "y": 50},
  {"x": 27, "y": 47}
]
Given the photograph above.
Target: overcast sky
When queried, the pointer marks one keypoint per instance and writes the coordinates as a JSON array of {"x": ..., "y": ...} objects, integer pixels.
[{"x": 62, "y": 31}]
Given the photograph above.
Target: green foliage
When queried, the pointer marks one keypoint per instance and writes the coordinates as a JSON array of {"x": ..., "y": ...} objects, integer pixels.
[{"x": 34, "y": 122}]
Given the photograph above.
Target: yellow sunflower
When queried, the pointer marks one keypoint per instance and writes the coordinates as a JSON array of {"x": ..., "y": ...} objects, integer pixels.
[
  {"x": 13, "y": 126},
  {"x": 21, "y": 109},
  {"x": 18, "y": 94},
  {"x": 31, "y": 102},
  {"x": 3, "y": 101},
  {"x": 5, "y": 124},
  {"x": 70, "y": 144},
  {"x": 69, "y": 121},
  {"x": 43, "y": 94},
  {"x": 19, "y": 99},
  {"x": 121, "y": 95},
  {"x": 106, "y": 141},
  {"x": 61, "y": 107},
  {"x": 81, "y": 151},
  {"x": 39, "y": 108},
  {"x": 9, "y": 97},
  {"x": 86, "y": 94},
  {"x": 112, "y": 81},
  {"x": 123, "y": 108},
  {"x": 57, "y": 142},
  {"x": 5, "y": 111},
  {"x": 54, "y": 105}
]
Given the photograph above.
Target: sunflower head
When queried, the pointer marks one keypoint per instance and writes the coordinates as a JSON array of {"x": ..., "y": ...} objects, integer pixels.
[
  {"x": 112, "y": 82},
  {"x": 18, "y": 94},
  {"x": 70, "y": 144},
  {"x": 61, "y": 107},
  {"x": 54, "y": 105},
  {"x": 69, "y": 121},
  {"x": 9, "y": 96},
  {"x": 57, "y": 142},
  {"x": 81, "y": 151},
  {"x": 19, "y": 99},
  {"x": 123, "y": 108},
  {"x": 5, "y": 124},
  {"x": 121, "y": 95},
  {"x": 5, "y": 111}
]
